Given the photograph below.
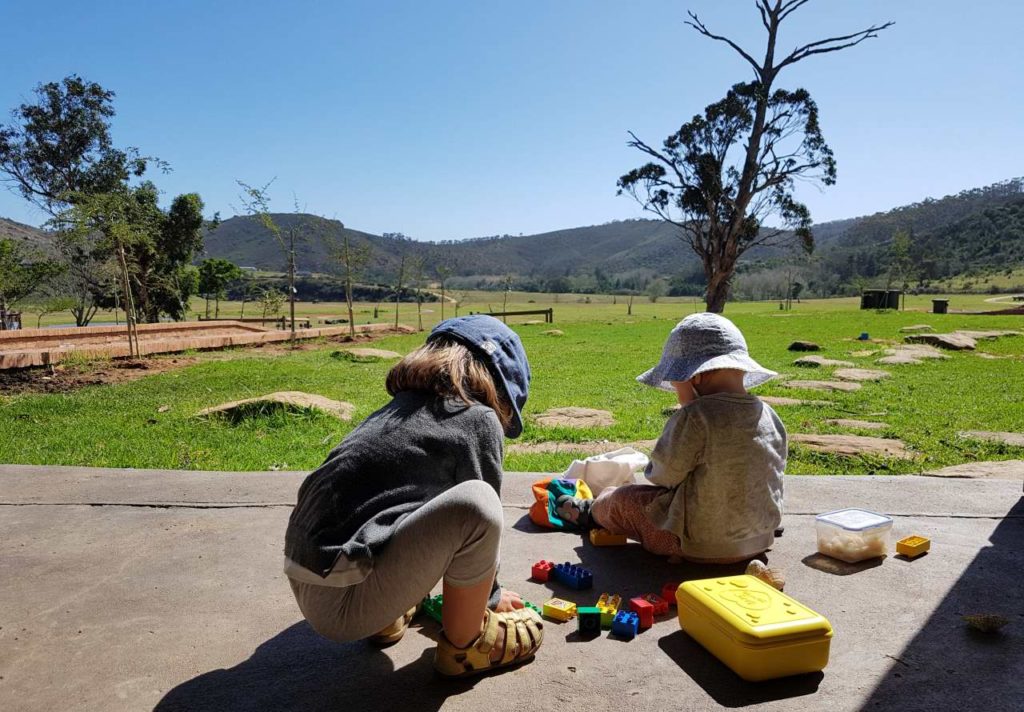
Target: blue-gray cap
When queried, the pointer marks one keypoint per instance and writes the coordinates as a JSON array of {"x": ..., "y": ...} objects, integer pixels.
[
  {"x": 500, "y": 348},
  {"x": 704, "y": 342}
]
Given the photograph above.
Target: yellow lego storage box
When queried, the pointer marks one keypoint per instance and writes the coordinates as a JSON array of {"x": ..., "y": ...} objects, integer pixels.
[{"x": 759, "y": 632}]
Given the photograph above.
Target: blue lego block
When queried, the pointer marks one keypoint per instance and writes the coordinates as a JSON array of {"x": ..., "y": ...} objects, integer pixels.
[
  {"x": 625, "y": 624},
  {"x": 572, "y": 576}
]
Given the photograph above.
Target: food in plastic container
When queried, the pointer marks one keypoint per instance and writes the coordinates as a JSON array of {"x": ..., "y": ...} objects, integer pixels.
[{"x": 853, "y": 535}]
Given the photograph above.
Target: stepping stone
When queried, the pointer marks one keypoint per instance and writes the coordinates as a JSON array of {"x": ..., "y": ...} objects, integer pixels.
[
  {"x": 590, "y": 447},
  {"x": 952, "y": 342},
  {"x": 534, "y": 322},
  {"x": 862, "y": 354},
  {"x": 992, "y": 357},
  {"x": 858, "y": 424},
  {"x": 911, "y": 354},
  {"x": 295, "y": 401},
  {"x": 804, "y": 346},
  {"x": 1013, "y": 439},
  {"x": 373, "y": 353},
  {"x": 553, "y": 332},
  {"x": 860, "y": 374},
  {"x": 782, "y": 400},
  {"x": 917, "y": 328},
  {"x": 853, "y": 445},
  {"x": 844, "y": 386},
  {"x": 816, "y": 361},
  {"x": 984, "y": 335},
  {"x": 990, "y": 470},
  {"x": 574, "y": 417}
]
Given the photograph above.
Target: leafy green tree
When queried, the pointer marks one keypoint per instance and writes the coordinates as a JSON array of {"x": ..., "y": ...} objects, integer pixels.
[
  {"x": 656, "y": 289},
  {"x": 22, "y": 272},
  {"x": 215, "y": 274},
  {"x": 271, "y": 301},
  {"x": 60, "y": 146},
  {"x": 723, "y": 174}
]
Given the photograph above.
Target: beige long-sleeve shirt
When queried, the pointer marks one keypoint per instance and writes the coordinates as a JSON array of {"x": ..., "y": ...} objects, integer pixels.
[{"x": 721, "y": 459}]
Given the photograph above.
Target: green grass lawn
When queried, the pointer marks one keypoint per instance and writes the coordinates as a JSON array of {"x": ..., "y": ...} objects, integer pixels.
[{"x": 593, "y": 364}]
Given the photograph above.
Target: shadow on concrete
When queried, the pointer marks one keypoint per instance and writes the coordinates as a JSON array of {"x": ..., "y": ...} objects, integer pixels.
[
  {"x": 827, "y": 564},
  {"x": 299, "y": 670},
  {"x": 950, "y": 666},
  {"x": 728, "y": 689}
]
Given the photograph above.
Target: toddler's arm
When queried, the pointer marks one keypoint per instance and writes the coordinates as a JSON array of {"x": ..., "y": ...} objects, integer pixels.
[{"x": 679, "y": 449}]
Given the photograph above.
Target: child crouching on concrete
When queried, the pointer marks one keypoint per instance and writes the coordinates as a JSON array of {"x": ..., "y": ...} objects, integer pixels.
[
  {"x": 411, "y": 497},
  {"x": 717, "y": 466}
]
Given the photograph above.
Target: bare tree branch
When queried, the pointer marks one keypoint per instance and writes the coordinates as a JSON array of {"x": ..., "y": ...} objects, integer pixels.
[
  {"x": 820, "y": 47},
  {"x": 786, "y": 8},
  {"x": 696, "y": 24}
]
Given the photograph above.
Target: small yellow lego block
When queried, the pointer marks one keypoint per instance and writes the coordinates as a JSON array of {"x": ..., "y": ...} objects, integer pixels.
[
  {"x": 609, "y": 606},
  {"x": 913, "y": 546},
  {"x": 603, "y": 537},
  {"x": 559, "y": 610}
]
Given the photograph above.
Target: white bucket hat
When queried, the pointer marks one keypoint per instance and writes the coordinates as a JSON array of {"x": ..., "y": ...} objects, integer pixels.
[{"x": 704, "y": 342}]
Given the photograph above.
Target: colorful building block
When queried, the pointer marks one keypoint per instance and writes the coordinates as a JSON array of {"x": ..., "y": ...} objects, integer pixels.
[
  {"x": 913, "y": 546},
  {"x": 625, "y": 624},
  {"x": 573, "y": 576},
  {"x": 542, "y": 570},
  {"x": 644, "y": 610},
  {"x": 603, "y": 537},
  {"x": 559, "y": 610},
  {"x": 588, "y": 620},
  {"x": 609, "y": 606},
  {"x": 668, "y": 592},
  {"x": 659, "y": 603},
  {"x": 527, "y": 604},
  {"x": 432, "y": 605}
]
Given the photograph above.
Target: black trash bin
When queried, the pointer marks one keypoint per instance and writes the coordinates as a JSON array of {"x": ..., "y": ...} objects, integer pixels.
[{"x": 940, "y": 306}]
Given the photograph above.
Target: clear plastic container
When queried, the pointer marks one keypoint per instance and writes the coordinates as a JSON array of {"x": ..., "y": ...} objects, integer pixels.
[{"x": 853, "y": 535}]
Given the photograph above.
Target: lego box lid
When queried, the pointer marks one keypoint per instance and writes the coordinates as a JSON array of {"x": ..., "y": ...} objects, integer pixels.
[
  {"x": 855, "y": 520},
  {"x": 750, "y": 611}
]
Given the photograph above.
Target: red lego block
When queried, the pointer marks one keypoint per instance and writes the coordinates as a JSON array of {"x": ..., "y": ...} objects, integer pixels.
[
  {"x": 659, "y": 603},
  {"x": 644, "y": 610},
  {"x": 542, "y": 570},
  {"x": 668, "y": 592}
]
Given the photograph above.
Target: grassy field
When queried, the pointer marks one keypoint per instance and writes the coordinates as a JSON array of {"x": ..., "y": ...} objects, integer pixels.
[{"x": 592, "y": 364}]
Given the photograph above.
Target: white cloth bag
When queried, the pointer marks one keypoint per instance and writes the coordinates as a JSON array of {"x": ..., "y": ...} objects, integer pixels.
[{"x": 608, "y": 470}]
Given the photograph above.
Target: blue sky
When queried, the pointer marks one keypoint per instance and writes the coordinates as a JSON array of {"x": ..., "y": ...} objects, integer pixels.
[{"x": 447, "y": 119}]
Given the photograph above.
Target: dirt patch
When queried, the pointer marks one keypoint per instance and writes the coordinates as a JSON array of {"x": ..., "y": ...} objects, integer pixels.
[
  {"x": 588, "y": 448},
  {"x": 363, "y": 355},
  {"x": 574, "y": 417},
  {"x": 66, "y": 378}
]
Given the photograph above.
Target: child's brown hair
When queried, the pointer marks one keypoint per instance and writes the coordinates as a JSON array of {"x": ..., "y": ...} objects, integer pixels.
[{"x": 449, "y": 370}]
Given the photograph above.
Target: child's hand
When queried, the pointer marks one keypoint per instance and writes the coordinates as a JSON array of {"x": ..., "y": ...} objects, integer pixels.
[{"x": 510, "y": 601}]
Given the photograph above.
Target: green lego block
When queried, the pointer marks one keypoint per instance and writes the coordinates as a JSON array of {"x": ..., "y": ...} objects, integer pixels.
[{"x": 431, "y": 605}]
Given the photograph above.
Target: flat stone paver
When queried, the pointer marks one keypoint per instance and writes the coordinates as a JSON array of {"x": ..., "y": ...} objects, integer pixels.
[
  {"x": 845, "y": 386},
  {"x": 995, "y": 469},
  {"x": 852, "y": 445},
  {"x": 854, "y": 423},
  {"x": 290, "y": 400},
  {"x": 138, "y": 590},
  {"x": 783, "y": 400},
  {"x": 574, "y": 417},
  {"x": 860, "y": 374},
  {"x": 818, "y": 361},
  {"x": 361, "y": 352},
  {"x": 952, "y": 342},
  {"x": 1013, "y": 439}
]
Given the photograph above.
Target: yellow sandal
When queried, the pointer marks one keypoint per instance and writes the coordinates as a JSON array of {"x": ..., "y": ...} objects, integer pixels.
[
  {"x": 394, "y": 632},
  {"x": 524, "y": 632}
]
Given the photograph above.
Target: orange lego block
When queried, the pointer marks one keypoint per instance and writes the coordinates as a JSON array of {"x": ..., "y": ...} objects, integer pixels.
[{"x": 603, "y": 537}]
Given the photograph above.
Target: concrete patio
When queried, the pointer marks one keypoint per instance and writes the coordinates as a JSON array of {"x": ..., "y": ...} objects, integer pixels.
[{"x": 134, "y": 590}]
